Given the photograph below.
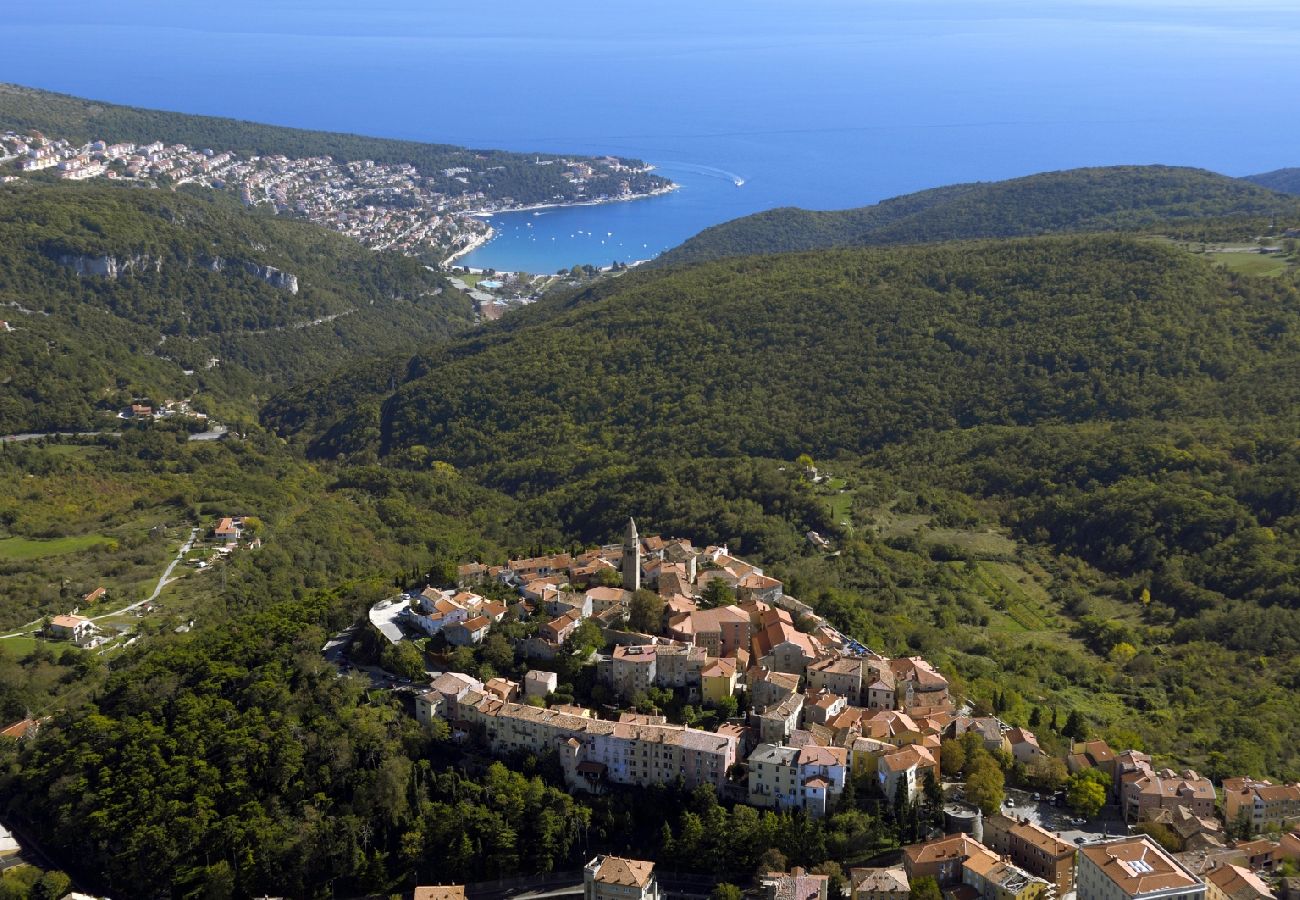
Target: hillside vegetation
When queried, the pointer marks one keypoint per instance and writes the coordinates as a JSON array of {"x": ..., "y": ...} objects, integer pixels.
[
  {"x": 1120, "y": 198},
  {"x": 1123, "y": 407},
  {"x": 830, "y": 353},
  {"x": 1286, "y": 181},
  {"x": 114, "y": 292}
]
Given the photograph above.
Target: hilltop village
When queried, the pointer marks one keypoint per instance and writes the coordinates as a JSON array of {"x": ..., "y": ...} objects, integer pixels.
[
  {"x": 708, "y": 673},
  {"x": 384, "y": 206}
]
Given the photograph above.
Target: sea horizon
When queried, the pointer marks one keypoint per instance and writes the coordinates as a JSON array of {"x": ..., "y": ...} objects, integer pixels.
[{"x": 851, "y": 106}]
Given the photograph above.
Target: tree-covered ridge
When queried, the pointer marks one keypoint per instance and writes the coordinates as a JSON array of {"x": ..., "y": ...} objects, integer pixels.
[
  {"x": 830, "y": 353},
  {"x": 113, "y": 292},
  {"x": 1286, "y": 181},
  {"x": 497, "y": 173},
  {"x": 1095, "y": 199}
]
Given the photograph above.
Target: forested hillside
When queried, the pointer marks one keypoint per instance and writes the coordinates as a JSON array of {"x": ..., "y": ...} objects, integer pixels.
[
  {"x": 497, "y": 173},
  {"x": 830, "y": 353},
  {"x": 1120, "y": 198},
  {"x": 1287, "y": 181},
  {"x": 116, "y": 292},
  {"x": 1124, "y": 407}
]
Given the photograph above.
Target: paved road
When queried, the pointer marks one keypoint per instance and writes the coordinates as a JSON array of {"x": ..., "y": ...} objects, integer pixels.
[
  {"x": 36, "y": 436},
  {"x": 162, "y": 582}
]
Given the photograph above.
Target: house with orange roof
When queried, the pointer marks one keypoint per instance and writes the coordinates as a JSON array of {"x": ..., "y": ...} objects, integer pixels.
[
  {"x": 440, "y": 892},
  {"x": 904, "y": 768},
  {"x": 1034, "y": 849},
  {"x": 1166, "y": 789},
  {"x": 617, "y": 878},
  {"x": 21, "y": 730},
  {"x": 471, "y": 631},
  {"x": 782, "y": 648},
  {"x": 1229, "y": 882},
  {"x": 822, "y": 706},
  {"x": 555, "y": 631},
  {"x": 943, "y": 859},
  {"x": 229, "y": 529},
  {"x": 722, "y": 630},
  {"x": 917, "y": 683},
  {"x": 718, "y": 680},
  {"x": 1266, "y": 804},
  {"x": 1024, "y": 745},
  {"x": 76, "y": 629}
]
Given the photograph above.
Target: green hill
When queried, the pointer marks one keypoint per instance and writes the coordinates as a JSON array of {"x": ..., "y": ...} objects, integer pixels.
[
  {"x": 496, "y": 173},
  {"x": 829, "y": 353},
  {"x": 1286, "y": 181},
  {"x": 1120, "y": 198},
  {"x": 117, "y": 292}
]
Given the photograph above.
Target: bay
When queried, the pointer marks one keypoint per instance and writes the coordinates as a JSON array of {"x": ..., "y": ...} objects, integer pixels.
[{"x": 820, "y": 103}]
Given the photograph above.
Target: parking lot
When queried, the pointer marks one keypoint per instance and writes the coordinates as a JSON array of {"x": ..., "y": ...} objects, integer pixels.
[{"x": 1059, "y": 820}]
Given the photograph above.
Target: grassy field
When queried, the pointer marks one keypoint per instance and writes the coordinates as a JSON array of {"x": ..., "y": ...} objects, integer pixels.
[
  {"x": 18, "y": 647},
  {"x": 16, "y": 548},
  {"x": 1252, "y": 263}
]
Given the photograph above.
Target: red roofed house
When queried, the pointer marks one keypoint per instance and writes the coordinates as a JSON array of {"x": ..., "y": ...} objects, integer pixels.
[
  {"x": 616, "y": 878},
  {"x": 70, "y": 628},
  {"x": 1265, "y": 803},
  {"x": 20, "y": 730},
  {"x": 471, "y": 631},
  {"x": 228, "y": 529}
]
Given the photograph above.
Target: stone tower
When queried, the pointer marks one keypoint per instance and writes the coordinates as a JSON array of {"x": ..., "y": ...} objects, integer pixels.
[{"x": 631, "y": 558}]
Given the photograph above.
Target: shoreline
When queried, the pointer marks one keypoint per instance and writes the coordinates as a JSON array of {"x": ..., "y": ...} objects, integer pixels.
[
  {"x": 658, "y": 192},
  {"x": 479, "y": 241},
  {"x": 486, "y": 238}
]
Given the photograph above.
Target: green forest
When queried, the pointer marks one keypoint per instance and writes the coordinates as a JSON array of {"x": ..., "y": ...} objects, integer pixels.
[
  {"x": 1118, "y": 198},
  {"x": 188, "y": 291},
  {"x": 1287, "y": 181}
]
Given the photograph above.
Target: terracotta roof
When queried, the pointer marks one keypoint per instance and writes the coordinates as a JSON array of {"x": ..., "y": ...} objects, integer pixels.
[
  {"x": 810, "y": 755},
  {"x": 20, "y": 730},
  {"x": 954, "y": 847},
  {"x": 440, "y": 892},
  {"x": 1239, "y": 883},
  {"x": 628, "y": 872},
  {"x": 892, "y": 880},
  {"x": 68, "y": 621},
  {"x": 1138, "y": 866}
]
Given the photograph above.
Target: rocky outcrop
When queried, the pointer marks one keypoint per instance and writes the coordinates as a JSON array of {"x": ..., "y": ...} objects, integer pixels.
[
  {"x": 109, "y": 266},
  {"x": 273, "y": 276},
  {"x": 113, "y": 267}
]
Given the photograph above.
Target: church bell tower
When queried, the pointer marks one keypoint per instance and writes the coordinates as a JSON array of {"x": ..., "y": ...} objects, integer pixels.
[{"x": 631, "y": 558}]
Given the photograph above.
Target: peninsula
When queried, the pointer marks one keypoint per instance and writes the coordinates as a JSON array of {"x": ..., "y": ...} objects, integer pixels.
[{"x": 422, "y": 200}]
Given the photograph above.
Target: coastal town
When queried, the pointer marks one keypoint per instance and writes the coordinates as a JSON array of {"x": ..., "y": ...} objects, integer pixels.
[
  {"x": 708, "y": 673},
  {"x": 435, "y": 215}
]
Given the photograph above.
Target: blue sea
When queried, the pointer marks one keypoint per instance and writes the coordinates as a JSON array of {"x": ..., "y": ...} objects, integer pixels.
[{"x": 816, "y": 103}]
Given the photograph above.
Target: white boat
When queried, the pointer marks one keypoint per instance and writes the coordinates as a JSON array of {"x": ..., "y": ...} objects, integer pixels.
[{"x": 740, "y": 182}]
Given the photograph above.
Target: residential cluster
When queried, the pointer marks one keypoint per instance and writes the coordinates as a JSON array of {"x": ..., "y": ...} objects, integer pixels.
[
  {"x": 818, "y": 707},
  {"x": 384, "y": 206},
  {"x": 808, "y": 710}
]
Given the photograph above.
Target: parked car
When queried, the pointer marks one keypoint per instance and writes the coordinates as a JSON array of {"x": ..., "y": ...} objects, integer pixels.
[{"x": 1010, "y": 802}]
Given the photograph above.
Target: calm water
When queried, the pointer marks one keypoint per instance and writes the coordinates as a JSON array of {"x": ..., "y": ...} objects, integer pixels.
[{"x": 817, "y": 103}]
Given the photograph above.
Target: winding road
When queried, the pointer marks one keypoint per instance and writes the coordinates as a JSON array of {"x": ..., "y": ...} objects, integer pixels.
[{"x": 162, "y": 582}]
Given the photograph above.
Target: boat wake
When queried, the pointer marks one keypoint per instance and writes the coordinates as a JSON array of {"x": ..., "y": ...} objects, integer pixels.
[{"x": 710, "y": 171}]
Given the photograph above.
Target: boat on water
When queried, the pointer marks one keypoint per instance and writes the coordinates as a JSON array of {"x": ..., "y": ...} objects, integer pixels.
[{"x": 740, "y": 182}]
